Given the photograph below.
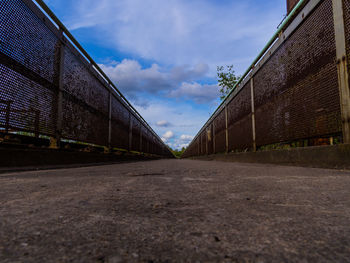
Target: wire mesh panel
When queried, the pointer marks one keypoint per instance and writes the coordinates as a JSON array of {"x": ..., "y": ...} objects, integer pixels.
[
  {"x": 220, "y": 132},
  {"x": 210, "y": 139},
  {"x": 120, "y": 125},
  {"x": 145, "y": 140},
  {"x": 197, "y": 149},
  {"x": 240, "y": 134},
  {"x": 203, "y": 142},
  {"x": 158, "y": 148},
  {"x": 26, "y": 39},
  {"x": 27, "y": 71},
  {"x": 239, "y": 120},
  {"x": 296, "y": 91},
  {"x": 142, "y": 138},
  {"x": 149, "y": 142},
  {"x": 85, "y": 103},
  {"x": 346, "y": 6},
  {"x": 135, "y": 134},
  {"x": 25, "y": 105},
  {"x": 152, "y": 144}
]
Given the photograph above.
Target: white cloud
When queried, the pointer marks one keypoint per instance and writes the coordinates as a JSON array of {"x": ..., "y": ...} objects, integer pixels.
[
  {"x": 185, "y": 72},
  {"x": 133, "y": 80},
  {"x": 185, "y": 118},
  {"x": 186, "y": 138},
  {"x": 168, "y": 135},
  {"x": 196, "y": 92},
  {"x": 182, "y": 142},
  {"x": 163, "y": 123},
  {"x": 180, "y": 31}
]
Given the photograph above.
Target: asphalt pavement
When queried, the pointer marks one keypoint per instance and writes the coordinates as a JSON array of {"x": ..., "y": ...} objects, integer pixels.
[{"x": 176, "y": 211}]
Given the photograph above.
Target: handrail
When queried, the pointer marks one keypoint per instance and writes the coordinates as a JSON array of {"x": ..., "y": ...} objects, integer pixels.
[
  {"x": 83, "y": 51},
  {"x": 285, "y": 23}
]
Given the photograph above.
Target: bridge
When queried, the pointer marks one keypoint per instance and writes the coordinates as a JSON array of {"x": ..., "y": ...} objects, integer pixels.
[{"x": 84, "y": 178}]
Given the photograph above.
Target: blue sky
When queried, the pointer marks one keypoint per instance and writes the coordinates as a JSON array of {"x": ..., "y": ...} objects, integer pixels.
[{"x": 163, "y": 54}]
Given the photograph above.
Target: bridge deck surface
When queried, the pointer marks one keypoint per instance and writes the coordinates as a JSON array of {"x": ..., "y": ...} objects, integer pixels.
[{"x": 175, "y": 210}]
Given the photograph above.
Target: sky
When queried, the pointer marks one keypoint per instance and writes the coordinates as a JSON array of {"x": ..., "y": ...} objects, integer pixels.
[{"x": 163, "y": 54}]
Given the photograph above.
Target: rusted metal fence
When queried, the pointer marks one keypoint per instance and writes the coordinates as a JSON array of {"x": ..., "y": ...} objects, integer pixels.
[
  {"x": 297, "y": 92},
  {"x": 50, "y": 86}
]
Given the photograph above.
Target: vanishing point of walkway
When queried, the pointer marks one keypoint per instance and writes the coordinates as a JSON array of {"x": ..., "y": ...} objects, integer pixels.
[{"x": 176, "y": 211}]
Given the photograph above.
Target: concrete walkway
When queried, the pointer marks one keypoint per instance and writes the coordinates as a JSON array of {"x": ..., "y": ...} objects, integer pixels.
[{"x": 176, "y": 211}]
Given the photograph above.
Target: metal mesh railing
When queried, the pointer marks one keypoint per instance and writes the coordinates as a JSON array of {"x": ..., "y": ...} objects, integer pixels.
[
  {"x": 295, "y": 88},
  {"x": 50, "y": 86},
  {"x": 346, "y": 4}
]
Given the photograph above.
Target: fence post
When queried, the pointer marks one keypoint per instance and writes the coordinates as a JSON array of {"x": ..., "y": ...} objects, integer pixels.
[
  {"x": 253, "y": 112},
  {"x": 59, "y": 62},
  {"x": 130, "y": 132},
  {"x": 109, "y": 121},
  {"x": 226, "y": 130},
  {"x": 343, "y": 74}
]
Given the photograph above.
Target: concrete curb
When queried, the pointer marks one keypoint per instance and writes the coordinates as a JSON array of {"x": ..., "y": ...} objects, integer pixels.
[{"x": 334, "y": 157}]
